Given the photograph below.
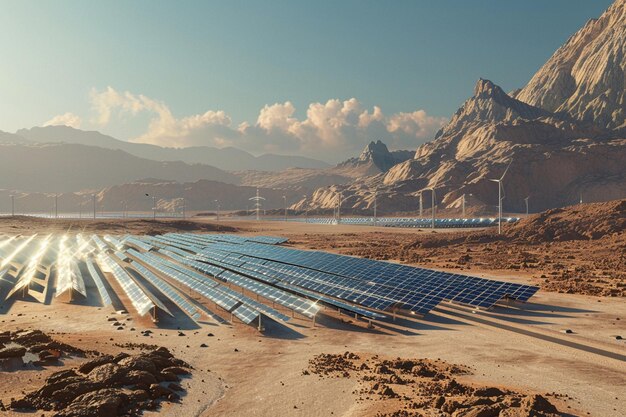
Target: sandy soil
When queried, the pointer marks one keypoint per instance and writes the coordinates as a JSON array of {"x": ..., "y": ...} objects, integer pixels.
[{"x": 241, "y": 372}]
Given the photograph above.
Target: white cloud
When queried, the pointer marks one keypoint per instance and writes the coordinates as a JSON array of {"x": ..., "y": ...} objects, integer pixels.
[
  {"x": 332, "y": 130},
  {"x": 67, "y": 119}
]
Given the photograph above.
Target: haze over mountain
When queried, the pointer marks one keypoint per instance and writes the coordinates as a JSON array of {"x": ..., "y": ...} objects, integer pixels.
[
  {"x": 230, "y": 159},
  {"x": 374, "y": 159},
  {"x": 71, "y": 167}
]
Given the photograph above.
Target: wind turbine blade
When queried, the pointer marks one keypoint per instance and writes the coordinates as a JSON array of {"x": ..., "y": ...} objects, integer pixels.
[{"x": 505, "y": 171}]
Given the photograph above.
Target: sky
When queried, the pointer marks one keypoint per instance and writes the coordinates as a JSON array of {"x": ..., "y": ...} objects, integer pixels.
[{"x": 319, "y": 79}]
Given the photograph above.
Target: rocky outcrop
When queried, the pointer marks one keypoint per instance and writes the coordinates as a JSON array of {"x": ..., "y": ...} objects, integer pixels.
[
  {"x": 586, "y": 77},
  {"x": 109, "y": 386},
  {"x": 376, "y": 158}
]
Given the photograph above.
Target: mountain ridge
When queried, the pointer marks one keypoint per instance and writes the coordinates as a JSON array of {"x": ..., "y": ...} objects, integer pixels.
[{"x": 229, "y": 158}]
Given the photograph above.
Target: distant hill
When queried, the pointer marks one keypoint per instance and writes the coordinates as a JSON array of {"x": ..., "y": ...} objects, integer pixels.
[
  {"x": 230, "y": 159},
  {"x": 72, "y": 167},
  {"x": 12, "y": 138}
]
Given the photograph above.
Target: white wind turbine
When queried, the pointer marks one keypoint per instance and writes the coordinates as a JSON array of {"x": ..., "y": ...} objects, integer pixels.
[{"x": 500, "y": 196}]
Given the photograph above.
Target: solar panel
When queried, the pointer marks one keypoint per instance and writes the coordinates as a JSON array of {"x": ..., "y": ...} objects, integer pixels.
[
  {"x": 114, "y": 242},
  {"x": 102, "y": 247},
  {"x": 180, "y": 300},
  {"x": 137, "y": 296},
  {"x": 68, "y": 275},
  {"x": 133, "y": 241},
  {"x": 246, "y": 314},
  {"x": 30, "y": 270},
  {"x": 97, "y": 279}
]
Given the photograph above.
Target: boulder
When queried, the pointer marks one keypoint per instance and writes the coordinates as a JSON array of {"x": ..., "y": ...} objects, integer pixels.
[
  {"x": 12, "y": 352},
  {"x": 107, "y": 374},
  {"x": 88, "y": 366},
  {"x": 138, "y": 363},
  {"x": 142, "y": 378},
  {"x": 105, "y": 402}
]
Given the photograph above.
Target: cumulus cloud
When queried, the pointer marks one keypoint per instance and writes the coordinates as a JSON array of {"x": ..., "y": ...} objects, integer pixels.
[
  {"x": 67, "y": 119},
  {"x": 332, "y": 130}
]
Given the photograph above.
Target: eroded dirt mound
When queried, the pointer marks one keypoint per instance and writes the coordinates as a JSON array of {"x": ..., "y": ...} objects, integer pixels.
[
  {"x": 418, "y": 387},
  {"x": 109, "y": 386},
  {"x": 580, "y": 222}
]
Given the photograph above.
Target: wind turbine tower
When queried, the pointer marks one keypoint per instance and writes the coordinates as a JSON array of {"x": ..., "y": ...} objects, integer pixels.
[{"x": 500, "y": 196}]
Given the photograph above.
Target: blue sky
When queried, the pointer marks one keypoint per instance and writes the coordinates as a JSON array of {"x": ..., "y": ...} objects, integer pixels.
[{"x": 232, "y": 58}]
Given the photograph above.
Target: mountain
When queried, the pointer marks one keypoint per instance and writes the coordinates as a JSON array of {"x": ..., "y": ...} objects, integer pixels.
[
  {"x": 230, "y": 159},
  {"x": 71, "y": 167},
  {"x": 376, "y": 158},
  {"x": 554, "y": 158},
  {"x": 563, "y": 135},
  {"x": 11, "y": 138},
  {"x": 586, "y": 77}
]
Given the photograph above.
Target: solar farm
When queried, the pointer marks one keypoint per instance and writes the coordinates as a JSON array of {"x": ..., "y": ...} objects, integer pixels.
[{"x": 247, "y": 279}]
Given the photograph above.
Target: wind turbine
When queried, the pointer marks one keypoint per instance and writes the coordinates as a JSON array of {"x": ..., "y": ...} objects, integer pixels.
[
  {"x": 340, "y": 195},
  {"x": 421, "y": 204},
  {"x": 285, "y": 205},
  {"x": 306, "y": 209},
  {"x": 500, "y": 196},
  {"x": 526, "y": 201},
  {"x": 463, "y": 205},
  {"x": 154, "y": 206},
  {"x": 432, "y": 190},
  {"x": 375, "y": 205}
]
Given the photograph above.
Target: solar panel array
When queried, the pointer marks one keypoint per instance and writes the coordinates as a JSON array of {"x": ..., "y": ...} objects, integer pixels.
[
  {"x": 410, "y": 222},
  {"x": 232, "y": 270},
  {"x": 221, "y": 295},
  {"x": 358, "y": 282}
]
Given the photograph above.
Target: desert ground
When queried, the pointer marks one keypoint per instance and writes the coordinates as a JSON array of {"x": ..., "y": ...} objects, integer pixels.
[{"x": 562, "y": 345}]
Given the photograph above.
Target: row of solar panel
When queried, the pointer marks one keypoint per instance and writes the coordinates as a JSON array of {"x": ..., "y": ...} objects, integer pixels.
[
  {"x": 225, "y": 297},
  {"x": 415, "y": 222},
  {"x": 234, "y": 265},
  {"x": 399, "y": 282}
]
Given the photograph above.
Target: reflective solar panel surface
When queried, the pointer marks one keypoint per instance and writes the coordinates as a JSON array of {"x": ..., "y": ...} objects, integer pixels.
[{"x": 246, "y": 276}]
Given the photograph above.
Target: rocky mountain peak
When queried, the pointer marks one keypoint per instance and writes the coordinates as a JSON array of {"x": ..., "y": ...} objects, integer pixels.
[
  {"x": 374, "y": 151},
  {"x": 586, "y": 77},
  {"x": 487, "y": 89},
  {"x": 377, "y": 156},
  {"x": 490, "y": 104}
]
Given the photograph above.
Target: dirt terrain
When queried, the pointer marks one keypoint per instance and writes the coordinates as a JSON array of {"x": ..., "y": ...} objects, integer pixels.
[{"x": 29, "y": 225}]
